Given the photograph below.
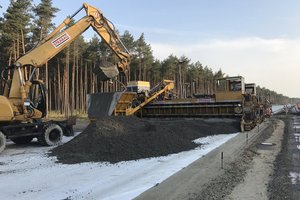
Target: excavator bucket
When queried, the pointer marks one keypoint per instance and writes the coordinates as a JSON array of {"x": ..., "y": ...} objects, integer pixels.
[
  {"x": 106, "y": 71},
  {"x": 102, "y": 104}
]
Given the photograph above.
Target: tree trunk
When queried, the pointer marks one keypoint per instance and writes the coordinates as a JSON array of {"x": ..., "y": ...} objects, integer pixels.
[
  {"x": 73, "y": 80},
  {"x": 23, "y": 41},
  {"x": 85, "y": 85},
  {"x": 77, "y": 85},
  {"x": 140, "y": 69},
  {"x": 66, "y": 83},
  {"x": 59, "y": 88}
]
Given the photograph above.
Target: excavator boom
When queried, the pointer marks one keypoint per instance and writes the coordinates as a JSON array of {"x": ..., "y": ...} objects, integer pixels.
[{"x": 56, "y": 42}]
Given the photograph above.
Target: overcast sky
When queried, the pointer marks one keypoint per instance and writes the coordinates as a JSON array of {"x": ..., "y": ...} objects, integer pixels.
[{"x": 258, "y": 39}]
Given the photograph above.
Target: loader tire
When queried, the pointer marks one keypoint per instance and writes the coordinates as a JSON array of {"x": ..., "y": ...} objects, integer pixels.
[
  {"x": 51, "y": 136},
  {"x": 2, "y": 141},
  {"x": 22, "y": 140}
]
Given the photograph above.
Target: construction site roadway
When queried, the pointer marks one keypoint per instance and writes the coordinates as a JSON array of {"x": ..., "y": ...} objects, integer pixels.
[
  {"x": 245, "y": 172},
  {"x": 260, "y": 164}
]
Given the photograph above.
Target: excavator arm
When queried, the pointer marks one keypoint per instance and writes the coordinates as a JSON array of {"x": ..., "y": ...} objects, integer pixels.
[{"x": 56, "y": 42}]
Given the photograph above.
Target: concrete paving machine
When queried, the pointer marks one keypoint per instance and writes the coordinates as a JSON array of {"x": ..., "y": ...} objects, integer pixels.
[
  {"x": 233, "y": 98},
  {"x": 229, "y": 101},
  {"x": 23, "y": 103}
]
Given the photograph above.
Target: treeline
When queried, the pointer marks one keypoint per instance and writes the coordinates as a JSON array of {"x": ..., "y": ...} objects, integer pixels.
[
  {"x": 274, "y": 97},
  {"x": 69, "y": 75}
]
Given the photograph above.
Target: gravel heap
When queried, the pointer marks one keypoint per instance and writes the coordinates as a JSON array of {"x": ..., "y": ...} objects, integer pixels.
[{"x": 115, "y": 139}]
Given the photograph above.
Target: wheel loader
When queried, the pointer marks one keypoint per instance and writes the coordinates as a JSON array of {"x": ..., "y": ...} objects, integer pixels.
[{"x": 23, "y": 102}]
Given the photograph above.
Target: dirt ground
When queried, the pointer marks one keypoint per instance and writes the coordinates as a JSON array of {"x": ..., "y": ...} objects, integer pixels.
[
  {"x": 252, "y": 171},
  {"x": 115, "y": 139},
  {"x": 287, "y": 162},
  {"x": 248, "y": 170},
  {"x": 257, "y": 177}
]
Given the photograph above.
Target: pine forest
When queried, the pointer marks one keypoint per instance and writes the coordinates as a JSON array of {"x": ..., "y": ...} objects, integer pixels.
[{"x": 69, "y": 75}]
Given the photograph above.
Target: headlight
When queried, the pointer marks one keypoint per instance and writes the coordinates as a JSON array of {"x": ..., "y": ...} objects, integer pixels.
[{"x": 27, "y": 103}]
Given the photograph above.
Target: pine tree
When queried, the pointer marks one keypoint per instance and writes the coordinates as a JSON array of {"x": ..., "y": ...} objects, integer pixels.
[
  {"x": 15, "y": 27},
  {"x": 143, "y": 57},
  {"x": 93, "y": 51},
  {"x": 128, "y": 41},
  {"x": 43, "y": 24}
]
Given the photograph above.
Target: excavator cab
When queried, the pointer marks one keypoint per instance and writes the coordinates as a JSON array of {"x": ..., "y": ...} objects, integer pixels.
[
  {"x": 37, "y": 97},
  {"x": 230, "y": 89},
  {"x": 7, "y": 82}
]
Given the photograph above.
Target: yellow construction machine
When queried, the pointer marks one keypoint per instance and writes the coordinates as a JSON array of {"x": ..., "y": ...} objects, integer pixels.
[
  {"x": 251, "y": 107},
  {"x": 23, "y": 103},
  {"x": 256, "y": 108},
  {"x": 136, "y": 95},
  {"x": 230, "y": 100},
  {"x": 139, "y": 95}
]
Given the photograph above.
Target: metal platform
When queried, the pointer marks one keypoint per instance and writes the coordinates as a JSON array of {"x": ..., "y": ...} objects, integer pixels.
[{"x": 193, "y": 109}]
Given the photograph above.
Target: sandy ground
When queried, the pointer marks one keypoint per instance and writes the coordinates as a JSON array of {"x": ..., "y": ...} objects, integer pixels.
[
  {"x": 294, "y": 155},
  {"x": 285, "y": 183},
  {"x": 258, "y": 175},
  {"x": 205, "y": 179},
  {"x": 250, "y": 171}
]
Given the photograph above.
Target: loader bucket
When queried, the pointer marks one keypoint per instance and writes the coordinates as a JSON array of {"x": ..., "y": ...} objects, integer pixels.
[
  {"x": 106, "y": 71},
  {"x": 102, "y": 104}
]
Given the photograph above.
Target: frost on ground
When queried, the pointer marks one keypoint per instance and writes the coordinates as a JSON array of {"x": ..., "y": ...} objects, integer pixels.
[
  {"x": 277, "y": 108},
  {"x": 295, "y": 177},
  {"x": 27, "y": 173}
]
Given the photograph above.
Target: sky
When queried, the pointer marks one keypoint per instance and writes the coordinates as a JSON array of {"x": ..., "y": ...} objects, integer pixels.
[{"x": 257, "y": 39}]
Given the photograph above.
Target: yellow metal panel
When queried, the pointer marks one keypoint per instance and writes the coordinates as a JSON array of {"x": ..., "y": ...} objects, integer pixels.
[
  {"x": 6, "y": 111},
  {"x": 16, "y": 84},
  {"x": 124, "y": 102},
  {"x": 229, "y": 96},
  {"x": 139, "y": 83}
]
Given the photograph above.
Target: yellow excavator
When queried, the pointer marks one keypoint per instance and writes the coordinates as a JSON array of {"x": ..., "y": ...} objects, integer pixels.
[{"x": 23, "y": 103}]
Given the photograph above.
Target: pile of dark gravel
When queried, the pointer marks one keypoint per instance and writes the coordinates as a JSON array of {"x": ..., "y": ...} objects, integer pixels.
[{"x": 115, "y": 139}]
